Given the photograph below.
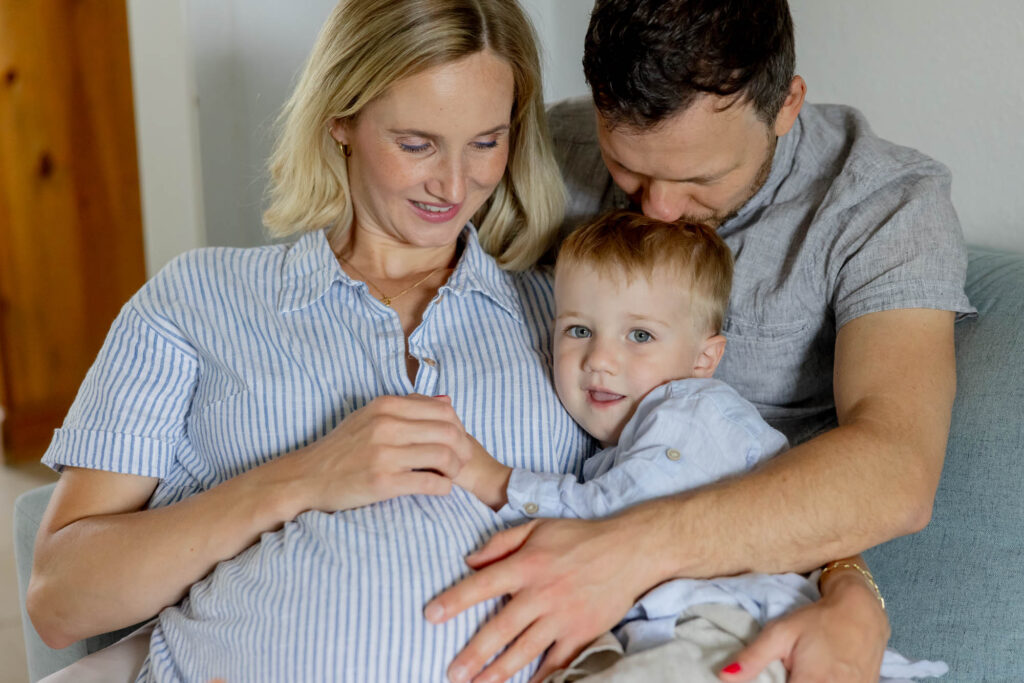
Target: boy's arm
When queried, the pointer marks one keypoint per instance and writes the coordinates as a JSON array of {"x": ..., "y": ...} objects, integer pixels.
[
  {"x": 673, "y": 444},
  {"x": 484, "y": 477}
]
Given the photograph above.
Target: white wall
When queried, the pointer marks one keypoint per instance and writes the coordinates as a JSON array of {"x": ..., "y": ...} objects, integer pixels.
[
  {"x": 941, "y": 76},
  {"x": 166, "y": 131},
  {"x": 938, "y": 75}
]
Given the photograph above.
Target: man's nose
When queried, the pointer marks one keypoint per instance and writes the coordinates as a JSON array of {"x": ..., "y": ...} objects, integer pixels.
[{"x": 663, "y": 202}]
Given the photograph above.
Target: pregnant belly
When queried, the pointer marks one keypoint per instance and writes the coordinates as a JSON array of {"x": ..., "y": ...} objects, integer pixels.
[{"x": 332, "y": 597}]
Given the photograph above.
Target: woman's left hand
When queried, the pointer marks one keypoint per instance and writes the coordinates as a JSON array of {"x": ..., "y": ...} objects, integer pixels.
[{"x": 840, "y": 638}]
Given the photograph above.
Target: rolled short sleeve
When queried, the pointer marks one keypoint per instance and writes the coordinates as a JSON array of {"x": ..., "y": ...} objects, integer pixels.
[
  {"x": 902, "y": 247},
  {"x": 129, "y": 414}
]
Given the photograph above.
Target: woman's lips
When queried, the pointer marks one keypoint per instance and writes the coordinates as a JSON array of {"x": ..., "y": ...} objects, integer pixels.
[{"x": 435, "y": 213}]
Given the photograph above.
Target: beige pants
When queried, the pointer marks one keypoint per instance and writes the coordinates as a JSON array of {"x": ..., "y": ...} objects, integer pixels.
[{"x": 708, "y": 637}]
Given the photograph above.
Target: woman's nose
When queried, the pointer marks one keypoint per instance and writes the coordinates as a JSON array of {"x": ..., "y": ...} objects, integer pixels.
[{"x": 448, "y": 181}]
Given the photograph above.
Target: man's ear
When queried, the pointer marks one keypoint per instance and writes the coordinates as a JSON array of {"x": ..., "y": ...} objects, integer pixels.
[
  {"x": 791, "y": 107},
  {"x": 710, "y": 354}
]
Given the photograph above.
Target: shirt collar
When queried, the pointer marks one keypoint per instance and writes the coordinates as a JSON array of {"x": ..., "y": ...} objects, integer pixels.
[{"x": 310, "y": 268}]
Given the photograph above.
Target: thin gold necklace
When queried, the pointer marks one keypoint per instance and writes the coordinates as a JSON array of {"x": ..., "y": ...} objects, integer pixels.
[{"x": 384, "y": 298}]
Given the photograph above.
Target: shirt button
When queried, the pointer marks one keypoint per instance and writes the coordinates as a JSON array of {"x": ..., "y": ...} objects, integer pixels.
[
  {"x": 430, "y": 361},
  {"x": 531, "y": 508},
  {"x": 673, "y": 454}
]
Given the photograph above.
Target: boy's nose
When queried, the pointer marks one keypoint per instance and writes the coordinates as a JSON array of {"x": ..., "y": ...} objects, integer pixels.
[{"x": 600, "y": 357}]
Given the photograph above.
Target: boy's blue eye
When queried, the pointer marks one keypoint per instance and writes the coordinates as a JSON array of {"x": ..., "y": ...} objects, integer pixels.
[
  {"x": 640, "y": 336},
  {"x": 578, "y": 332}
]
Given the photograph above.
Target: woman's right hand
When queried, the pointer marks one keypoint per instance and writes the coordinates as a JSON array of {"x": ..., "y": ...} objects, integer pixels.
[{"x": 393, "y": 446}]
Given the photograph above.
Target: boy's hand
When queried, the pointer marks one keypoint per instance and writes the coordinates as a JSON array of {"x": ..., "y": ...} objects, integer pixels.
[{"x": 484, "y": 477}]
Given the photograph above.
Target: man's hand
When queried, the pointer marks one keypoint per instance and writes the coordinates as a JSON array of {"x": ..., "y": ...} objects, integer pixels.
[
  {"x": 569, "y": 581},
  {"x": 840, "y": 638}
]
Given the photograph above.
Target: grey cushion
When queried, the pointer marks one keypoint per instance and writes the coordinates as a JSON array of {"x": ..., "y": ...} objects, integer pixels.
[
  {"x": 44, "y": 660},
  {"x": 954, "y": 590}
]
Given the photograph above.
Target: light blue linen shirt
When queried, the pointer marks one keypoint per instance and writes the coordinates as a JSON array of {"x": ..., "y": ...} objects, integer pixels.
[
  {"x": 683, "y": 434},
  {"x": 229, "y": 358}
]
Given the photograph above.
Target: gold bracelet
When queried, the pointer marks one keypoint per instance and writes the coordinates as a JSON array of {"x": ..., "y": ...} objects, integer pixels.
[{"x": 864, "y": 572}]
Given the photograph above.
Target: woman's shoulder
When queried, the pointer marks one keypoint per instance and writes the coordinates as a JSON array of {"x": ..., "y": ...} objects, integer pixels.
[{"x": 212, "y": 279}]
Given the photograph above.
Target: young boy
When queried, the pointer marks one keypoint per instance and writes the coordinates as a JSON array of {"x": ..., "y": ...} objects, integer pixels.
[{"x": 639, "y": 310}]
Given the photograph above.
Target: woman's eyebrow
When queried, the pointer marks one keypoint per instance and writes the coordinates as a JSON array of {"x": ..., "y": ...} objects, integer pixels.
[{"x": 433, "y": 136}]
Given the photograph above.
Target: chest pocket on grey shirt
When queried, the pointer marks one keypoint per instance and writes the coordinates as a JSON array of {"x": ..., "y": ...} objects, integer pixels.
[{"x": 783, "y": 368}]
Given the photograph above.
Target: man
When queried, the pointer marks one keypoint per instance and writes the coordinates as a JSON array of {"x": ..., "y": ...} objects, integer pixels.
[{"x": 849, "y": 274}]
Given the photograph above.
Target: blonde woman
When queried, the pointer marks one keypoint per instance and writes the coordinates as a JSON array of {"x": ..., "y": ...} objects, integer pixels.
[{"x": 286, "y": 394}]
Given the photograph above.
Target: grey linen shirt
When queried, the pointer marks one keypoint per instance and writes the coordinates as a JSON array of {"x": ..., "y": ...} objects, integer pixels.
[{"x": 847, "y": 224}]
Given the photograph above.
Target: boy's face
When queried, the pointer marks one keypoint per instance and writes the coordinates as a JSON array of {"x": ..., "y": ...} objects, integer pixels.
[{"x": 615, "y": 341}]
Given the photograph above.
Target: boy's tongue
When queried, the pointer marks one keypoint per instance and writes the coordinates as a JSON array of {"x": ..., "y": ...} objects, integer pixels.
[{"x": 604, "y": 396}]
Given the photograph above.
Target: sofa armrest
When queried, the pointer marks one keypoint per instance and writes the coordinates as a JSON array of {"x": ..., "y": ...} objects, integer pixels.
[
  {"x": 42, "y": 659},
  {"x": 954, "y": 590}
]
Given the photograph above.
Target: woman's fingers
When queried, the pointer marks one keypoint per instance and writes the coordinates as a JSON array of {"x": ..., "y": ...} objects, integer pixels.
[{"x": 771, "y": 644}]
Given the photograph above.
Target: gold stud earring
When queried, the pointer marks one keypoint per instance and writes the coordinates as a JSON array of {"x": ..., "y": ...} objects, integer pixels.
[{"x": 345, "y": 149}]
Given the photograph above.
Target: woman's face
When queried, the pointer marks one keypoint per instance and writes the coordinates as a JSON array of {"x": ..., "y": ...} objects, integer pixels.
[{"x": 429, "y": 152}]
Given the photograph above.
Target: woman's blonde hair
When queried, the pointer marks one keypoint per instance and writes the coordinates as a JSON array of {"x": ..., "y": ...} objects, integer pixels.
[{"x": 367, "y": 45}]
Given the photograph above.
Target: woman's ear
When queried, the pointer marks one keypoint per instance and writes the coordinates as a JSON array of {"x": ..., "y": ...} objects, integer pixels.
[
  {"x": 339, "y": 130},
  {"x": 710, "y": 354}
]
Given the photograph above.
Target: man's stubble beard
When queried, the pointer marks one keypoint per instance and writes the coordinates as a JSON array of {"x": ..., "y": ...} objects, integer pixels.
[{"x": 715, "y": 221}]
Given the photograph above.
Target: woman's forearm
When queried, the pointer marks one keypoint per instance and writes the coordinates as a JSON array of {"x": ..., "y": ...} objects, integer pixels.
[{"x": 111, "y": 568}]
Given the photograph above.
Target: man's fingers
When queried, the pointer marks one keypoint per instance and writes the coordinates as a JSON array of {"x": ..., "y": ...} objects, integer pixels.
[
  {"x": 491, "y": 582},
  {"x": 558, "y": 657},
  {"x": 771, "y": 644},
  {"x": 527, "y": 647},
  {"x": 492, "y": 638},
  {"x": 501, "y": 545}
]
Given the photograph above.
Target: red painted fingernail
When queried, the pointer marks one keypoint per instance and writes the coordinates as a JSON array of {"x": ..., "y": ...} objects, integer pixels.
[{"x": 733, "y": 668}]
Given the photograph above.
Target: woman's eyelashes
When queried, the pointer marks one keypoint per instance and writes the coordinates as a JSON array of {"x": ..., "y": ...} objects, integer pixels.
[{"x": 420, "y": 147}]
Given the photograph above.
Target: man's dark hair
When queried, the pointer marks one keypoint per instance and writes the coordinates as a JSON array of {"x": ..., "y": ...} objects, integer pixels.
[{"x": 646, "y": 60}]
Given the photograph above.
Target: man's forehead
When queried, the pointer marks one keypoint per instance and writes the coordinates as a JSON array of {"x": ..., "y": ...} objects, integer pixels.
[{"x": 702, "y": 139}]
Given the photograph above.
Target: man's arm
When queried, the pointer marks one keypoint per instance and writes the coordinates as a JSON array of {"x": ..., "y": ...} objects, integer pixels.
[{"x": 869, "y": 480}]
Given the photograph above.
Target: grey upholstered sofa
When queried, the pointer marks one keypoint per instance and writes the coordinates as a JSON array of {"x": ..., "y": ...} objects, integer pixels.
[{"x": 955, "y": 591}]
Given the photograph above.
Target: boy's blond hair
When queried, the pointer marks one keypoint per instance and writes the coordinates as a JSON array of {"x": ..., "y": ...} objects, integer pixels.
[{"x": 628, "y": 243}]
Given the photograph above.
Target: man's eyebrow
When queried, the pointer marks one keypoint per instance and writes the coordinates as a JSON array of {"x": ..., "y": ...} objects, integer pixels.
[
  {"x": 432, "y": 136},
  {"x": 705, "y": 178}
]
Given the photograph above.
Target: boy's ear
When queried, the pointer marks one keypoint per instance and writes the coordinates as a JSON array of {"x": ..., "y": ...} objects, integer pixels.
[{"x": 710, "y": 354}]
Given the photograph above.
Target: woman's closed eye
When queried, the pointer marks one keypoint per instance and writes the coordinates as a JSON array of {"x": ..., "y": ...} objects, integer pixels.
[{"x": 414, "y": 148}]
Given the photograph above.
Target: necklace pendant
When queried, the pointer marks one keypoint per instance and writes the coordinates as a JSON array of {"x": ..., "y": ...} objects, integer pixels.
[{"x": 386, "y": 300}]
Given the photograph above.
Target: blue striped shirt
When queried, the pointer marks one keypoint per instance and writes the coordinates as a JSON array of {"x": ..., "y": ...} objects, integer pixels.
[{"x": 229, "y": 358}]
